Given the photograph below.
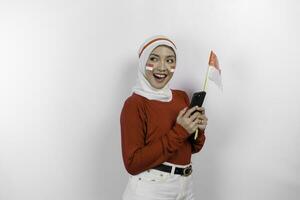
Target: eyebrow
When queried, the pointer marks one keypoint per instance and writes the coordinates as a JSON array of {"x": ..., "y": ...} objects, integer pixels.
[
  {"x": 171, "y": 56},
  {"x": 153, "y": 54}
]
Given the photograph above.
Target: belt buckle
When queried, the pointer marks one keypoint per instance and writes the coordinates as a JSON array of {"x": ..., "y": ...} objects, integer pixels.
[{"x": 187, "y": 171}]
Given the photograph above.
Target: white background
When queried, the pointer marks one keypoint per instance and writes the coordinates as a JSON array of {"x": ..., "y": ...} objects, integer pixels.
[{"x": 66, "y": 67}]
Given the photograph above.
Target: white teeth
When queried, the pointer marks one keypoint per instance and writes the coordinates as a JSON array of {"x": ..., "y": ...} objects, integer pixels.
[{"x": 161, "y": 75}]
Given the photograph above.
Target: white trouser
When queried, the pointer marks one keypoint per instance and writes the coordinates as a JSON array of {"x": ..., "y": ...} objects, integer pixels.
[{"x": 157, "y": 185}]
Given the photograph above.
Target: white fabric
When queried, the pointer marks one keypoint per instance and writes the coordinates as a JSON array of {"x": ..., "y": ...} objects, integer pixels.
[
  {"x": 215, "y": 76},
  {"x": 157, "y": 185},
  {"x": 142, "y": 86}
]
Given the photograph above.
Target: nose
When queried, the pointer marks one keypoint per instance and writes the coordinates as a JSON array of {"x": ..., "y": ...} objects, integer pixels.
[{"x": 162, "y": 66}]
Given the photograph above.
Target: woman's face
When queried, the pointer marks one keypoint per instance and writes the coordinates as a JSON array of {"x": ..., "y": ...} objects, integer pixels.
[{"x": 160, "y": 66}]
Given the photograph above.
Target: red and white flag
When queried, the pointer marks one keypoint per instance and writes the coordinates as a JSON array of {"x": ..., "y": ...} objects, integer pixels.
[{"x": 214, "y": 71}]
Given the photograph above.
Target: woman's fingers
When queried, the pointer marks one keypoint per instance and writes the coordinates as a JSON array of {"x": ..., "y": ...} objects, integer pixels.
[
  {"x": 201, "y": 110},
  {"x": 190, "y": 111},
  {"x": 203, "y": 123},
  {"x": 198, "y": 115},
  {"x": 194, "y": 116},
  {"x": 194, "y": 125},
  {"x": 202, "y": 117},
  {"x": 181, "y": 113},
  {"x": 193, "y": 109},
  {"x": 192, "y": 122}
]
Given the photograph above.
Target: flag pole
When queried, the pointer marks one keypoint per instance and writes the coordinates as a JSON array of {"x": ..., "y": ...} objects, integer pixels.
[
  {"x": 204, "y": 89},
  {"x": 206, "y": 77}
]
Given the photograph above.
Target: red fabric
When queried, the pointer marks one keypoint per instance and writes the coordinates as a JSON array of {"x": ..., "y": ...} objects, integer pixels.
[{"x": 151, "y": 136}]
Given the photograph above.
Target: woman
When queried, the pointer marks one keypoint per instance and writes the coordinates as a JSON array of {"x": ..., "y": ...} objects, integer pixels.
[{"x": 157, "y": 129}]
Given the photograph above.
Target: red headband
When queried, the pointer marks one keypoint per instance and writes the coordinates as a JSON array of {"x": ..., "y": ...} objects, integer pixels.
[{"x": 154, "y": 41}]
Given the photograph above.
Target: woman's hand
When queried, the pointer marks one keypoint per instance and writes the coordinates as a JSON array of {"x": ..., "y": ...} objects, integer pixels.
[
  {"x": 192, "y": 122},
  {"x": 203, "y": 119}
]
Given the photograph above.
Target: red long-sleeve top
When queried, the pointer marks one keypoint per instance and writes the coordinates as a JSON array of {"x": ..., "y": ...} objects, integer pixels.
[{"x": 151, "y": 136}]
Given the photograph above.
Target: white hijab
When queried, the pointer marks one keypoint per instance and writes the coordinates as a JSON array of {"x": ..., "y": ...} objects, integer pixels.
[{"x": 142, "y": 86}]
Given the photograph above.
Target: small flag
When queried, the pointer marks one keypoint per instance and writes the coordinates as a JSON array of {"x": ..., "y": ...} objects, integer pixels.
[
  {"x": 214, "y": 71},
  {"x": 214, "y": 74}
]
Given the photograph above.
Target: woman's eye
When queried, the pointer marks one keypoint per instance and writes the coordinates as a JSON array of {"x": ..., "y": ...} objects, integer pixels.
[
  {"x": 154, "y": 59},
  {"x": 170, "y": 60}
]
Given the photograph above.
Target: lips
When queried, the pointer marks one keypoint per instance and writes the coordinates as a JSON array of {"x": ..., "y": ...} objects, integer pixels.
[{"x": 159, "y": 77}]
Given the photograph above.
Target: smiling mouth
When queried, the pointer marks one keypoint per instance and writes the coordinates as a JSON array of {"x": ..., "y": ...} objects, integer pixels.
[{"x": 160, "y": 77}]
